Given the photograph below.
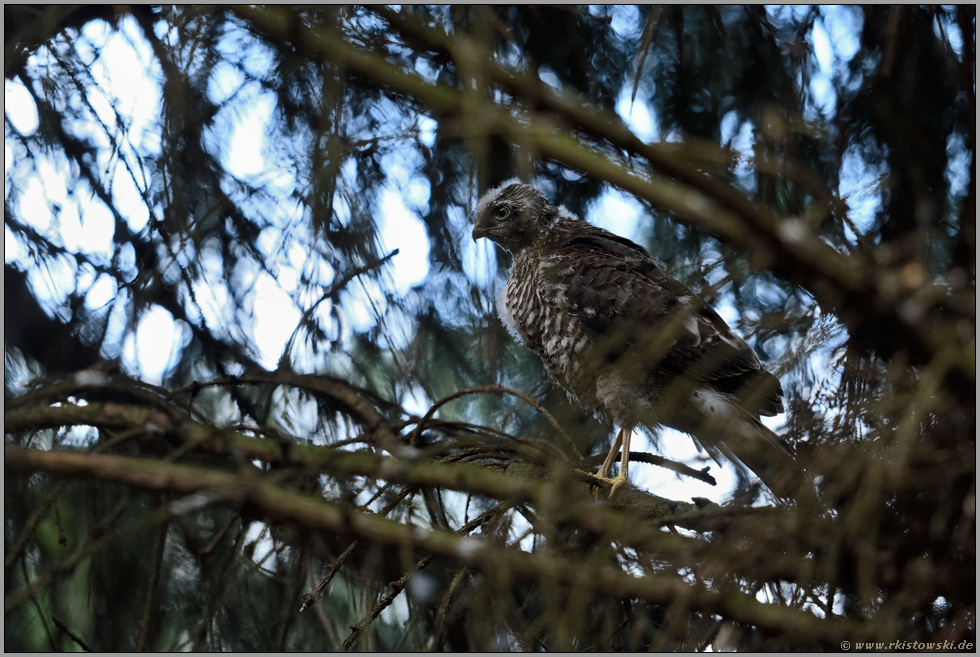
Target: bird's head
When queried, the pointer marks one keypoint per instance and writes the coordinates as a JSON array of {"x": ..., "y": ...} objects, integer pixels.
[{"x": 515, "y": 215}]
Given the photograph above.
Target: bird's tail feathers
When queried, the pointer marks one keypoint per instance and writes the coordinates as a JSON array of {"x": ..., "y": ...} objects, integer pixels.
[
  {"x": 753, "y": 445},
  {"x": 720, "y": 426}
]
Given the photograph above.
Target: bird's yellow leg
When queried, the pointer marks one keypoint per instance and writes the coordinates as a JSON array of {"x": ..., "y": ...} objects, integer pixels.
[
  {"x": 623, "y": 478},
  {"x": 620, "y": 446},
  {"x": 611, "y": 457}
]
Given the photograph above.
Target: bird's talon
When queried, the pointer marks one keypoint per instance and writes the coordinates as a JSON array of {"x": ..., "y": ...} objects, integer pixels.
[{"x": 617, "y": 483}]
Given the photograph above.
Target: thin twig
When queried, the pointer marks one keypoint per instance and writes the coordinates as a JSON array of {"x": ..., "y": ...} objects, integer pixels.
[
  {"x": 30, "y": 525},
  {"x": 209, "y": 548},
  {"x": 91, "y": 548},
  {"x": 644, "y": 457},
  {"x": 315, "y": 594},
  {"x": 37, "y": 606},
  {"x": 320, "y": 613},
  {"x": 148, "y": 607},
  {"x": 498, "y": 389},
  {"x": 71, "y": 635},
  {"x": 649, "y": 34},
  {"x": 52, "y": 497},
  {"x": 395, "y": 588},
  {"x": 443, "y": 617},
  {"x": 331, "y": 293}
]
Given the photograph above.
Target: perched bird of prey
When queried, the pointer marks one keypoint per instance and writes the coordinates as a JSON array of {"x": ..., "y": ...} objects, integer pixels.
[{"x": 623, "y": 337}]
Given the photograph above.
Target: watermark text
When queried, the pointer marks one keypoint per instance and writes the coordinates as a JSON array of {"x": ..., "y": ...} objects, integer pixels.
[{"x": 908, "y": 645}]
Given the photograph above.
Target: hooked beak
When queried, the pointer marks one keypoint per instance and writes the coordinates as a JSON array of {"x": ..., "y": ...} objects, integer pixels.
[{"x": 480, "y": 230}]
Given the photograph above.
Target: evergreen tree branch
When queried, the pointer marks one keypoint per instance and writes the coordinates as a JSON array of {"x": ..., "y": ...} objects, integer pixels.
[{"x": 280, "y": 505}]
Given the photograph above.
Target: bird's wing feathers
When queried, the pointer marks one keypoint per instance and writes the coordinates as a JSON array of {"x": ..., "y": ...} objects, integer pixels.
[{"x": 625, "y": 297}]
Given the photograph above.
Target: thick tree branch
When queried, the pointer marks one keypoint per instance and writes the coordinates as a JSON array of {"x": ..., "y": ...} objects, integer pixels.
[
  {"x": 523, "y": 483},
  {"x": 280, "y": 505}
]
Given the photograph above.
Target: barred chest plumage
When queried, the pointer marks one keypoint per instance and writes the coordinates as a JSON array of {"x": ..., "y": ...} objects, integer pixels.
[{"x": 531, "y": 308}]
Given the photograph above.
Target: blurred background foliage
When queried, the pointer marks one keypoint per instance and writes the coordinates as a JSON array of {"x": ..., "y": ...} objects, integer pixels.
[{"x": 220, "y": 377}]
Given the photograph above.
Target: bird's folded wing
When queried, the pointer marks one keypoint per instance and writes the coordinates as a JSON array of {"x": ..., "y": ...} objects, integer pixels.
[{"x": 626, "y": 300}]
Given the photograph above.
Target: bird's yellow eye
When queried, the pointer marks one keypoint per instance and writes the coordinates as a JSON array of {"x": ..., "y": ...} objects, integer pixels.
[{"x": 502, "y": 212}]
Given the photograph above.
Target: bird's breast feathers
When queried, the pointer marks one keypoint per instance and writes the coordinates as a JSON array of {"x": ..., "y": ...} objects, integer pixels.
[{"x": 533, "y": 307}]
